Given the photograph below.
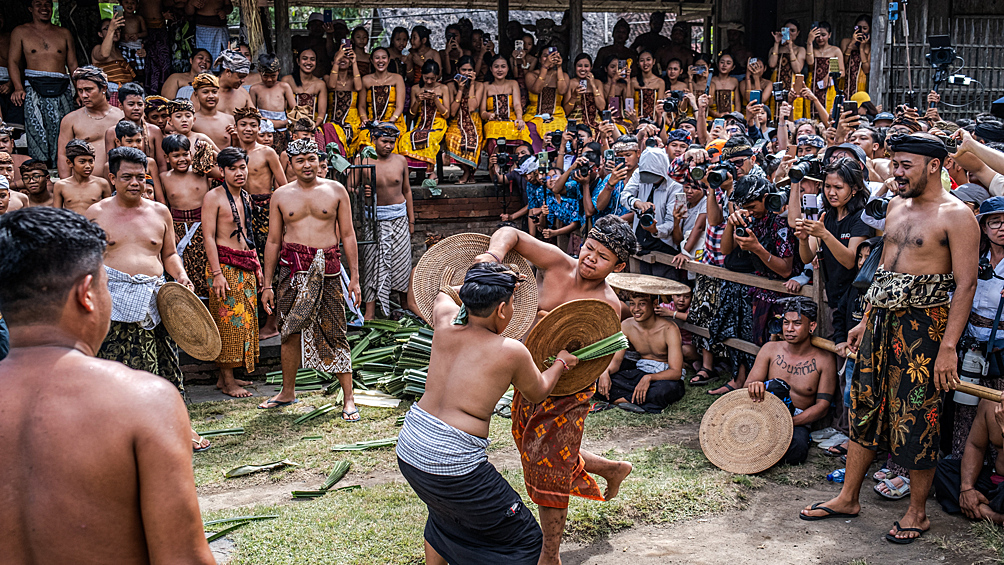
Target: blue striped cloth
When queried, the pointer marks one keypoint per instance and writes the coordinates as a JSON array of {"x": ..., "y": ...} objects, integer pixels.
[{"x": 435, "y": 447}]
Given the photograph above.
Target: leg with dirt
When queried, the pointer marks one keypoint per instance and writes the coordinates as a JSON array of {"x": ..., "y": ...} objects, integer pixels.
[
  {"x": 916, "y": 515},
  {"x": 552, "y": 523},
  {"x": 613, "y": 471},
  {"x": 859, "y": 459}
]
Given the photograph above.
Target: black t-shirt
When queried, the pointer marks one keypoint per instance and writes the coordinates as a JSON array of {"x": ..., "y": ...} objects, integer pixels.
[{"x": 838, "y": 277}]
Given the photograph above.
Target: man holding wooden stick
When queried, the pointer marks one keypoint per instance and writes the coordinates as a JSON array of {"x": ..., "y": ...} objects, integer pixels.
[
  {"x": 548, "y": 434},
  {"x": 97, "y": 463},
  {"x": 908, "y": 336}
]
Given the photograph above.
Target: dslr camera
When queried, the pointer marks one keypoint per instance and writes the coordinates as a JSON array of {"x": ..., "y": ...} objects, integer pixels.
[
  {"x": 720, "y": 174},
  {"x": 808, "y": 166},
  {"x": 647, "y": 218},
  {"x": 672, "y": 104},
  {"x": 503, "y": 158},
  {"x": 775, "y": 201},
  {"x": 877, "y": 208}
]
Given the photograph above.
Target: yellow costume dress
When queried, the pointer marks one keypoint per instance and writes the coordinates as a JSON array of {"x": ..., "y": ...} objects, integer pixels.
[
  {"x": 381, "y": 102},
  {"x": 504, "y": 124},
  {"x": 463, "y": 137},
  {"x": 547, "y": 102},
  {"x": 343, "y": 116},
  {"x": 423, "y": 141},
  {"x": 585, "y": 110},
  {"x": 821, "y": 75},
  {"x": 645, "y": 100},
  {"x": 857, "y": 78}
]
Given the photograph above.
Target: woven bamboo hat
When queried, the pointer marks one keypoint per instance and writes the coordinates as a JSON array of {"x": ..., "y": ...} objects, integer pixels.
[
  {"x": 188, "y": 321},
  {"x": 646, "y": 284},
  {"x": 745, "y": 437},
  {"x": 572, "y": 326},
  {"x": 447, "y": 262}
]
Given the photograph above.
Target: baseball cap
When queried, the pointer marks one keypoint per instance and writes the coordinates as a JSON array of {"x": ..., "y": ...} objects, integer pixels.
[{"x": 316, "y": 17}]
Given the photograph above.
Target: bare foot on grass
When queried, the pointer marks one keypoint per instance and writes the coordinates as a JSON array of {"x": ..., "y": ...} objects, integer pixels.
[{"x": 616, "y": 478}]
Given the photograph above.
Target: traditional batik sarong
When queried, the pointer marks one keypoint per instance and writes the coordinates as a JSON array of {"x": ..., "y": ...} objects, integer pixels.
[
  {"x": 119, "y": 72},
  {"x": 724, "y": 101},
  {"x": 259, "y": 223},
  {"x": 158, "y": 56},
  {"x": 43, "y": 115},
  {"x": 733, "y": 317},
  {"x": 421, "y": 144},
  {"x": 895, "y": 405},
  {"x": 136, "y": 337},
  {"x": 309, "y": 302},
  {"x": 857, "y": 79},
  {"x": 783, "y": 74},
  {"x": 191, "y": 246},
  {"x": 381, "y": 102},
  {"x": 236, "y": 316},
  {"x": 821, "y": 75},
  {"x": 344, "y": 120},
  {"x": 463, "y": 137},
  {"x": 548, "y": 436},
  {"x": 645, "y": 102},
  {"x": 387, "y": 265}
]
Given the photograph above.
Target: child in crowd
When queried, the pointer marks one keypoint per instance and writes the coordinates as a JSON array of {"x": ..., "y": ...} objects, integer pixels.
[
  {"x": 183, "y": 192},
  {"x": 132, "y": 37},
  {"x": 266, "y": 132},
  {"x": 81, "y": 189},
  {"x": 677, "y": 309}
]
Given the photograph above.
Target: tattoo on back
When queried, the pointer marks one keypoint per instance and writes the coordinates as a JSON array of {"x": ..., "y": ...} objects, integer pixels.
[{"x": 796, "y": 369}]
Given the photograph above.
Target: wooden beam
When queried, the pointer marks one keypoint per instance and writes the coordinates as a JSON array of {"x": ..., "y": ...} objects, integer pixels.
[
  {"x": 878, "y": 82},
  {"x": 725, "y": 274},
  {"x": 283, "y": 37},
  {"x": 574, "y": 29}
]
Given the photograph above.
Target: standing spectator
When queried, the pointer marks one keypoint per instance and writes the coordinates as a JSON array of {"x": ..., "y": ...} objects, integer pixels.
[
  {"x": 787, "y": 58},
  {"x": 649, "y": 194},
  {"x": 857, "y": 50},
  {"x": 619, "y": 48},
  {"x": 320, "y": 39},
  {"x": 652, "y": 39},
  {"x": 210, "y": 18},
  {"x": 818, "y": 54}
]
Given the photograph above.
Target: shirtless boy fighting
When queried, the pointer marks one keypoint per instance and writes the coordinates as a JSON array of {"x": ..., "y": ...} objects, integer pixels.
[
  {"x": 308, "y": 219},
  {"x": 441, "y": 448},
  {"x": 81, "y": 189},
  {"x": 97, "y": 465},
  {"x": 608, "y": 246},
  {"x": 799, "y": 373}
]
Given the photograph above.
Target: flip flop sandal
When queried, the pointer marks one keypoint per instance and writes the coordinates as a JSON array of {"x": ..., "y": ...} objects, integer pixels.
[
  {"x": 829, "y": 513},
  {"x": 836, "y": 450},
  {"x": 347, "y": 416},
  {"x": 628, "y": 406},
  {"x": 894, "y": 493},
  {"x": 201, "y": 448},
  {"x": 710, "y": 375},
  {"x": 726, "y": 385},
  {"x": 600, "y": 407},
  {"x": 904, "y": 541},
  {"x": 276, "y": 404}
]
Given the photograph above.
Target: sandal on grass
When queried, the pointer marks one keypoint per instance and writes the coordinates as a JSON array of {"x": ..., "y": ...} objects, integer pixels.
[
  {"x": 727, "y": 386},
  {"x": 894, "y": 493},
  {"x": 200, "y": 445},
  {"x": 829, "y": 513},
  {"x": 630, "y": 407},
  {"x": 348, "y": 416},
  {"x": 709, "y": 375},
  {"x": 904, "y": 541}
]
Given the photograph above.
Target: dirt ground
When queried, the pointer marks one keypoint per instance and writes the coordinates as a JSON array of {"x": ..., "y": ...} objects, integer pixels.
[{"x": 766, "y": 530}]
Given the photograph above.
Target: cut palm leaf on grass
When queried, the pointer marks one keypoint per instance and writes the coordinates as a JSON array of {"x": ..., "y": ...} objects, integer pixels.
[
  {"x": 364, "y": 445},
  {"x": 315, "y": 413},
  {"x": 249, "y": 469},
  {"x": 226, "y": 432},
  {"x": 231, "y": 524},
  {"x": 337, "y": 474},
  {"x": 601, "y": 348}
]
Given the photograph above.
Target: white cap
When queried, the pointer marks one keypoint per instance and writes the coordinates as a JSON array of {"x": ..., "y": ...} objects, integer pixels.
[{"x": 316, "y": 17}]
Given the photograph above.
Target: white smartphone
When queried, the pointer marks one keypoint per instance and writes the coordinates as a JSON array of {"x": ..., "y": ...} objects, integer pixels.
[
  {"x": 629, "y": 104},
  {"x": 810, "y": 206},
  {"x": 518, "y": 45},
  {"x": 681, "y": 199}
]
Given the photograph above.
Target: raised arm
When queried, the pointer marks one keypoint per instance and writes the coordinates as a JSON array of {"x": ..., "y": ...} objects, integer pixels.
[
  {"x": 540, "y": 254},
  {"x": 322, "y": 104}
]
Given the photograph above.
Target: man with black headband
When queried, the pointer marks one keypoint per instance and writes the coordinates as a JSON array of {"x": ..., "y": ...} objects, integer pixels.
[
  {"x": 801, "y": 374},
  {"x": 309, "y": 219},
  {"x": 441, "y": 448},
  {"x": 91, "y": 121},
  {"x": 607, "y": 249},
  {"x": 906, "y": 343},
  {"x": 387, "y": 265}
]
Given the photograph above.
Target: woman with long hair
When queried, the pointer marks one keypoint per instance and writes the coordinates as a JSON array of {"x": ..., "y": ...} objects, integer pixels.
[
  {"x": 430, "y": 106},
  {"x": 724, "y": 88},
  {"x": 464, "y": 138},
  {"x": 616, "y": 87},
  {"x": 501, "y": 109},
  {"x": 787, "y": 58},
  {"x": 755, "y": 80},
  {"x": 360, "y": 43},
  {"x": 398, "y": 43},
  {"x": 649, "y": 86},
  {"x": 384, "y": 97},
  {"x": 344, "y": 85},
  {"x": 310, "y": 92},
  {"x": 857, "y": 51},
  {"x": 545, "y": 86},
  {"x": 421, "y": 51},
  {"x": 584, "y": 97},
  {"x": 839, "y": 229}
]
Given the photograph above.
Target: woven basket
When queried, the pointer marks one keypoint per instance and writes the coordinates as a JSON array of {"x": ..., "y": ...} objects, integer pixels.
[
  {"x": 646, "y": 284},
  {"x": 188, "y": 322},
  {"x": 745, "y": 437},
  {"x": 447, "y": 262},
  {"x": 572, "y": 326}
]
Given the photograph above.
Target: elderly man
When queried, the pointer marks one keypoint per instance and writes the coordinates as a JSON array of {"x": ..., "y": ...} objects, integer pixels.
[
  {"x": 91, "y": 122},
  {"x": 906, "y": 342},
  {"x": 308, "y": 219},
  {"x": 48, "y": 54},
  {"x": 96, "y": 461},
  {"x": 235, "y": 68}
]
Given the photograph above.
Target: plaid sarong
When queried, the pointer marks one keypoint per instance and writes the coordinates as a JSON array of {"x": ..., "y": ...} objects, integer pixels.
[
  {"x": 548, "y": 436},
  {"x": 387, "y": 265},
  {"x": 211, "y": 38},
  {"x": 134, "y": 298},
  {"x": 43, "y": 116},
  {"x": 236, "y": 316}
]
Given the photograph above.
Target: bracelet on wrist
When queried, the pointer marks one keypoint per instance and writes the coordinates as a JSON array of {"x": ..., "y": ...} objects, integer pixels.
[{"x": 565, "y": 365}]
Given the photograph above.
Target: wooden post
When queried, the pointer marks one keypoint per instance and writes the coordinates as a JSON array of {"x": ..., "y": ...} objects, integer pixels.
[
  {"x": 575, "y": 29},
  {"x": 283, "y": 38},
  {"x": 878, "y": 82},
  {"x": 502, "y": 43}
]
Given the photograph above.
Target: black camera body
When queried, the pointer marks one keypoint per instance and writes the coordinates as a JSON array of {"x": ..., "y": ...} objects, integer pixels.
[
  {"x": 986, "y": 270},
  {"x": 646, "y": 218},
  {"x": 808, "y": 166},
  {"x": 742, "y": 231},
  {"x": 720, "y": 174},
  {"x": 775, "y": 202},
  {"x": 556, "y": 139},
  {"x": 698, "y": 172},
  {"x": 942, "y": 53},
  {"x": 877, "y": 208},
  {"x": 780, "y": 93},
  {"x": 672, "y": 104}
]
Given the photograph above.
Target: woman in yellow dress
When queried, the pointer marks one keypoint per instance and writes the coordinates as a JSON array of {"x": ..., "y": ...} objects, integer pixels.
[
  {"x": 310, "y": 92},
  {"x": 650, "y": 87},
  {"x": 463, "y": 137},
  {"x": 430, "y": 106},
  {"x": 501, "y": 109},
  {"x": 344, "y": 84},
  {"x": 584, "y": 98},
  {"x": 544, "y": 87},
  {"x": 616, "y": 88},
  {"x": 384, "y": 99},
  {"x": 857, "y": 51}
]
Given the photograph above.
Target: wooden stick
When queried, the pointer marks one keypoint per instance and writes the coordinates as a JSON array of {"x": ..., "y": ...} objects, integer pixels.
[{"x": 963, "y": 386}]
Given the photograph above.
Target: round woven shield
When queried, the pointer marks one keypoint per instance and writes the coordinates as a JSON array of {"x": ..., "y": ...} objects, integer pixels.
[
  {"x": 188, "y": 322},
  {"x": 572, "y": 326},
  {"x": 646, "y": 284},
  {"x": 745, "y": 437},
  {"x": 447, "y": 262}
]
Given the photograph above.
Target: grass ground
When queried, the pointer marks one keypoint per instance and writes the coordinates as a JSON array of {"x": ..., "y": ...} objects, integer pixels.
[{"x": 383, "y": 521}]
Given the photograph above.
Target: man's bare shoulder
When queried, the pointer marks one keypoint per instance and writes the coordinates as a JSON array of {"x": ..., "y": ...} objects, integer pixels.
[
  {"x": 772, "y": 348},
  {"x": 263, "y": 151},
  {"x": 335, "y": 187},
  {"x": 99, "y": 208}
]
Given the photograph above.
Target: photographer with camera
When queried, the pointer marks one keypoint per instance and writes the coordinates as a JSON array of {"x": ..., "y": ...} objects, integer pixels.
[
  {"x": 806, "y": 178},
  {"x": 649, "y": 193},
  {"x": 835, "y": 229},
  {"x": 509, "y": 178}
]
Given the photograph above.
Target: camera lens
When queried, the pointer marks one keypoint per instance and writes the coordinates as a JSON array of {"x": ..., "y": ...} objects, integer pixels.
[
  {"x": 697, "y": 173},
  {"x": 877, "y": 208},
  {"x": 717, "y": 177},
  {"x": 646, "y": 219},
  {"x": 742, "y": 232}
]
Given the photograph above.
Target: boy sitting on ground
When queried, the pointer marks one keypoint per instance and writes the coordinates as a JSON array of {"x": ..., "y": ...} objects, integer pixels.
[
  {"x": 648, "y": 378},
  {"x": 797, "y": 372},
  {"x": 971, "y": 485}
]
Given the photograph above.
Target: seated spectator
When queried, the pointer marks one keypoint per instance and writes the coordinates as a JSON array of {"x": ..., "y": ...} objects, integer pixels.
[
  {"x": 678, "y": 308},
  {"x": 970, "y": 485},
  {"x": 646, "y": 379},
  {"x": 797, "y": 372},
  {"x": 972, "y": 194}
]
